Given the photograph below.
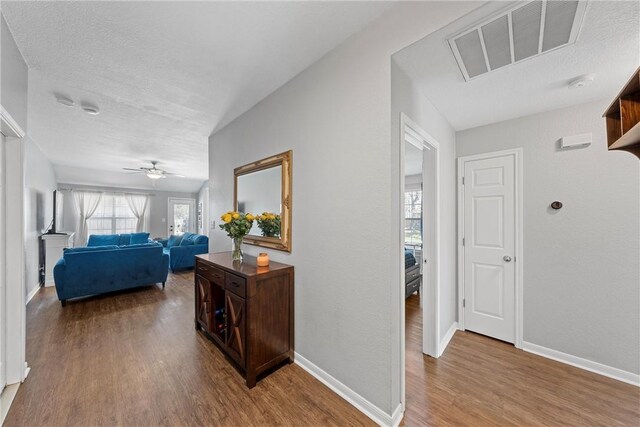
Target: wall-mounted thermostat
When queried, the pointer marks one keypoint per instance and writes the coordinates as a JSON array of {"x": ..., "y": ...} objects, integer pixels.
[{"x": 575, "y": 141}]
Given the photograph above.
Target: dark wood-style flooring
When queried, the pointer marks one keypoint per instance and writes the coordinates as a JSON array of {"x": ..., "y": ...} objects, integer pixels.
[
  {"x": 134, "y": 359},
  {"x": 479, "y": 381}
]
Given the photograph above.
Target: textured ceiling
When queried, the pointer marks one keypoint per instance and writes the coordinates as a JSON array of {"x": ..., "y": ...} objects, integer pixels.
[
  {"x": 608, "y": 46},
  {"x": 164, "y": 74}
]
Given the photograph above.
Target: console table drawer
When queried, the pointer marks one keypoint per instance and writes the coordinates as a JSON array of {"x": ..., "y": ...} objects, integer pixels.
[
  {"x": 211, "y": 273},
  {"x": 236, "y": 284}
]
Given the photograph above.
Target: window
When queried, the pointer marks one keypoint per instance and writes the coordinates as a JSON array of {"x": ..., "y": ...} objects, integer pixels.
[
  {"x": 112, "y": 216},
  {"x": 413, "y": 218}
]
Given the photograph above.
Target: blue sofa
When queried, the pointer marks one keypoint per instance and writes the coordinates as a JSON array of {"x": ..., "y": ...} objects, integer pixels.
[
  {"x": 94, "y": 270},
  {"x": 182, "y": 250}
]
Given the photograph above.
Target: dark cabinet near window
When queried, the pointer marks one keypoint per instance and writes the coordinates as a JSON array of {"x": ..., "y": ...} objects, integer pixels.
[{"x": 246, "y": 310}]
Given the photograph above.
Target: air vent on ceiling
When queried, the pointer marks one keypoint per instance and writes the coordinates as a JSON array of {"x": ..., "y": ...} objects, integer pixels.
[{"x": 519, "y": 33}]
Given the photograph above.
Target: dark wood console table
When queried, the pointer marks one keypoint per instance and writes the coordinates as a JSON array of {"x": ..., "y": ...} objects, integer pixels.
[{"x": 246, "y": 310}]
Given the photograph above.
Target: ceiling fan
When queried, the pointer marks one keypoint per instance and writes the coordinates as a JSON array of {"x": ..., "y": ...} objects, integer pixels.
[{"x": 153, "y": 172}]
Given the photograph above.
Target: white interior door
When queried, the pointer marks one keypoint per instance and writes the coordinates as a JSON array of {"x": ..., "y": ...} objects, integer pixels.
[
  {"x": 489, "y": 246},
  {"x": 181, "y": 217}
]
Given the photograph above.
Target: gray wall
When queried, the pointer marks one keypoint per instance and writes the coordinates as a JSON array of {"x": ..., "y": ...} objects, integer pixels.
[
  {"x": 40, "y": 182},
  {"x": 335, "y": 116},
  {"x": 581, "y": 274},
  {"x": 13, "y": 77},
  {"x": 158, "y": 205}
]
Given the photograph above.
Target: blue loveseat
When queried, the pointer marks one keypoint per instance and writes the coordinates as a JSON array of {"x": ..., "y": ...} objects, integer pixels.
[
  {"x": 94, "y": 270},
  {"x": 182, "y": 250}
]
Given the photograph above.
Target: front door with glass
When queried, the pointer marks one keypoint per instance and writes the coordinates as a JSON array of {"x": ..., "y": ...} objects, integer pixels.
[{"x": 181, "y": 216}]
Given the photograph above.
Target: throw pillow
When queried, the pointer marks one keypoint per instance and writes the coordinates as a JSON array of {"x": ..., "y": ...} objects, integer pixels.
[
  {"x": 139, "y": 238},
  {"x": 125, "y": 239},
  {"x": 103, "y": 239},
  {"x": 174, "y": 241}
]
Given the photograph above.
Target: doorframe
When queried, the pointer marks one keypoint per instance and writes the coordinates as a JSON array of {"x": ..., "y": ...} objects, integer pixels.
[
  {"x": 430, "y": 311},
  {"x": 517, "y": 153},
  {"x": 193, "y": 224}
]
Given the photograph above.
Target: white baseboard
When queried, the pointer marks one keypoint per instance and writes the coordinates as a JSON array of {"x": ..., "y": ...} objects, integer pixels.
[
  {"x": 359, "y": 402},
  {"x": 397, "y": 416},
  {"x": 578, "y": 362},
  {"x": 6, "y": 398},
  {"x": 33, "y": 293},
  {"x": 444, "y": 342}
]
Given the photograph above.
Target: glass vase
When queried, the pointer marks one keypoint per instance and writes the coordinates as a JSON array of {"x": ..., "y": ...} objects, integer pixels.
[{"x": 237, "y": 249}]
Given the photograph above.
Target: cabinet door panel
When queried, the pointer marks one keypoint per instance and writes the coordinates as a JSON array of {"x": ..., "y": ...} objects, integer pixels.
[
  {"x": 203, "y": 302},
  {"x": 236, "y": 327}
]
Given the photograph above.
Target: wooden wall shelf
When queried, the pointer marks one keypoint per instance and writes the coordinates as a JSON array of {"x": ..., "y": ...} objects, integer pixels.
[{"x": 623, "y": 118}]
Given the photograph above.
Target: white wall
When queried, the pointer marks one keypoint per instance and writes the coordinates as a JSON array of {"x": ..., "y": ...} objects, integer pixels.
[
  {"x": 335, "y": 116},
  {"x": 158, "y": 206},
  {"x": 14, "y": 77},
  {"x": 581, "y": 263},
  {"x": 40, "y": 182},
  {"x": 406, "y": 98},
  {"x": 13, "y": 97}
]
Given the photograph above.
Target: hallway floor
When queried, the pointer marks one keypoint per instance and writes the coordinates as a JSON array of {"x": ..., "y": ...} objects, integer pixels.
[{"x": 480, "y": 381}]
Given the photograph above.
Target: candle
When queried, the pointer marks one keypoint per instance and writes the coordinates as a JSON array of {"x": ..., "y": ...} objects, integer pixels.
[{"x": 263, "y": 259}]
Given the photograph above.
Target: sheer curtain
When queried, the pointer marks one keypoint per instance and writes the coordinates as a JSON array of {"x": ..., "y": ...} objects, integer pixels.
[
  {"x": 86, "y": 204},
  {"x": 138, "y": 204}
]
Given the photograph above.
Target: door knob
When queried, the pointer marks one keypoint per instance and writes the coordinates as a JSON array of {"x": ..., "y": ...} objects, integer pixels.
[{"x": 506, "y": 258}]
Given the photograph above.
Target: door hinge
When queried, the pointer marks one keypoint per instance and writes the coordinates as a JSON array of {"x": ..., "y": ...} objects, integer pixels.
[
  {"x": 463, "y": 241},
  {"x": 464, "y": 302},
  {"x": 463, "y": 180}
]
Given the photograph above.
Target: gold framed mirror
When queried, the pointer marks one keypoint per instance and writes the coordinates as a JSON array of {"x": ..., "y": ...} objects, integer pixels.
[{"x": 263, "y": 188}]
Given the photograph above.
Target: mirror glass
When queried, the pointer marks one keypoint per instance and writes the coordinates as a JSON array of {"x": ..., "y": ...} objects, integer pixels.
[
  {"x": 260, "y": 192},
  {"x": 263, "y": 188}
]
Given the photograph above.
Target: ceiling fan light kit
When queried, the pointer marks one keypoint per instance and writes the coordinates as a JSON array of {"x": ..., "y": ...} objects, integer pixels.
[{"x": 153, "y": 172}]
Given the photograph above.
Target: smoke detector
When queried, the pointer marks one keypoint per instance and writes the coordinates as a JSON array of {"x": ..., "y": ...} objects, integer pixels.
[
  {"x": 521, "y": 32},
  {"x": 90, "y": 109},
  {"x": 67, "y": 102}
]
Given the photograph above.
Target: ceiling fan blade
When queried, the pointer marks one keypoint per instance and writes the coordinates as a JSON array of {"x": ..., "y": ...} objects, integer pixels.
[
  {"x": 134, "y": 173},
  {"x": 177, "y": 175},
  {"x": 137, "y": 169}
]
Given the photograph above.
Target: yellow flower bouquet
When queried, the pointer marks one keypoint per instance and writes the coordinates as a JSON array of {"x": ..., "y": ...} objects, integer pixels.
[
  {"x": 269, "y": 224},
  {"x": 237, "y": 225}
]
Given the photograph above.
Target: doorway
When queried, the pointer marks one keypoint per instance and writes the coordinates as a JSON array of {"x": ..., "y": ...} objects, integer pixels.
[
  {"x": 490, "y": 246},
  {"x": 181, "y": 216},
  {"x": 420, "y": 180}
]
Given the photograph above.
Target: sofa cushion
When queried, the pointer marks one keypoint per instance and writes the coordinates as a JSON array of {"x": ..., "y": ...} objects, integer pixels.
[
  {"x": 174, "y": 241},
  {"x": 201, "y": 240},
  {"x": 137, "y": 238},
  {"x": 140, "y": 245},
  {"x": 89, "y": 249},
  {"x": 188, "y": 239},
  {"x": 103, "y": 239},
  {"x": 125, "y": 239}
]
